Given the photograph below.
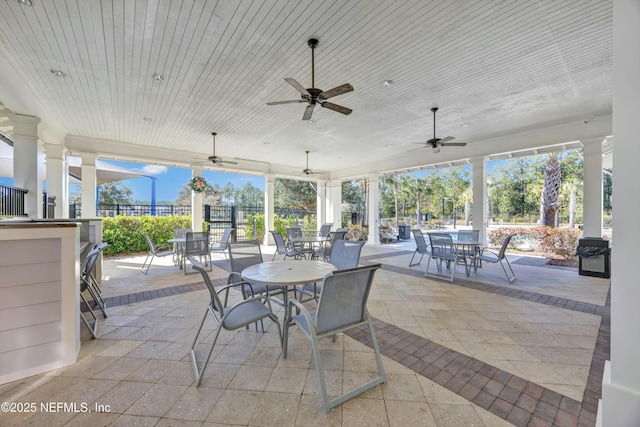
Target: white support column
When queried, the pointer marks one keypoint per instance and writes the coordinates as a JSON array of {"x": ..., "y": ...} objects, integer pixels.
[
  {"x": 321, "y": 203},
  {"x": 28, "y": 159},
  {"x": 374, "y": 209},
  {"x": 196, "y": 203},
  {"x": 58, "y": 178},
  {"x": 479, "y": 188},
  {"x": 334, "y": 210},
  {"x": 620, "y": 406},
  {"x": 269, "y": 205},
  {"x": 89, "y": 186},
  {"x": 593, "y": 192}
]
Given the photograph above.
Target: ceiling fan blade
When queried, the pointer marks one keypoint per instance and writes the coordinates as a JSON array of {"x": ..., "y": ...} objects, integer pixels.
[
  {"x": 227, "y": 162},
  {"x": 445, "y": 140},
  {"x": 285, "y": 102},
  {"x": 337, "y": 91},
  {"x": 308, "y": 112},
  {"x": 336, "y": 107},
  {"x": 297, "y": 86},
  {"x": 454, "y": 144}
]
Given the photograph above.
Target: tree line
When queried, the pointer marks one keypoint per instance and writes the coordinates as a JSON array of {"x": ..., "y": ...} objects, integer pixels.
[{"x": 545, "y": 189}]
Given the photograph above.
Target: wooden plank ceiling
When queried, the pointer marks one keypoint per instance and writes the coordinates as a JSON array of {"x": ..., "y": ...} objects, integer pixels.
[{"x": 496, "y": 66}]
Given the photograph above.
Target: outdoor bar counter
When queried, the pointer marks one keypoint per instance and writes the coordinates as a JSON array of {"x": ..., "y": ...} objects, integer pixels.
[{"x": 40, "y": 293}]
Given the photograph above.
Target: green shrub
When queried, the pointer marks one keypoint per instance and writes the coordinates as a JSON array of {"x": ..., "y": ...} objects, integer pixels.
[
  {"x": 248, "y": 228},
  {"x": 125, "y": 233}
]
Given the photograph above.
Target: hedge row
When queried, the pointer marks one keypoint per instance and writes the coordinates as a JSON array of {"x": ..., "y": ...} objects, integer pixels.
[
  {"x": 553, "y": 242},
  {"x": 125, "y": 233}
]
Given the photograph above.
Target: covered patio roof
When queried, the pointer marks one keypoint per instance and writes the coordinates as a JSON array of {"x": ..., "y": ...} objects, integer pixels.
[
  {"x": 105, "y": 172},
  {"x": 507, "y": 76}
]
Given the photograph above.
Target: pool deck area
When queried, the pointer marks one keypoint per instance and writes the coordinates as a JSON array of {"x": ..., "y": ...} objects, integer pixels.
[{"x": 476, "y": 352}]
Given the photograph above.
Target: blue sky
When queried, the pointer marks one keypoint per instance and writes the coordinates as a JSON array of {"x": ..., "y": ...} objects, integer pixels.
[{"x": 169, "y": 180}]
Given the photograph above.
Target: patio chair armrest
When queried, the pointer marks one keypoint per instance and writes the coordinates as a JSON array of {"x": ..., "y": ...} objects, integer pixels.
[
  {"x": 163, "y": 246},
  {"x": 234, "y": 274},
  {"x": 232, "y": 285},
  {"x": 303, "y": 310},
  {"x": 488, "y": 255}
]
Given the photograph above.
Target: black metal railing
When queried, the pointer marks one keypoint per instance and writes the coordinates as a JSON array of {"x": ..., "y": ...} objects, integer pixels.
[{"x": 12, "y": 201}]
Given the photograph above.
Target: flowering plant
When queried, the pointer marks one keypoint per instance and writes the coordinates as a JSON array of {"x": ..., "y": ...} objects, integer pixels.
[{"x": 198, "y": 184}]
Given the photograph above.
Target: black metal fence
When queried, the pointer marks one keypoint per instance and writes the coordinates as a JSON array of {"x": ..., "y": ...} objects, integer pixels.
[
  {"x": 104, "y": 210},
  {"x": 12, "y": 201}
]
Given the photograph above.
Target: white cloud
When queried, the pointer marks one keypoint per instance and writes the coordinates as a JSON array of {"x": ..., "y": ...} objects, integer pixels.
[{"x": 154, "y": 169}]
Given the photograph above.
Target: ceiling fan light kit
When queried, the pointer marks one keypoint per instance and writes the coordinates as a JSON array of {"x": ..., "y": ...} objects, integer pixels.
[{"x": 314, "y": 96}]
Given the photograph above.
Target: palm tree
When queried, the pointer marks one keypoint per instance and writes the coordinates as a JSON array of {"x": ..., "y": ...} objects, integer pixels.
[
  {"x": 572, "y": 187},
  {"x": 392, "y": 181},
  {"x": 551, "y": 191}
]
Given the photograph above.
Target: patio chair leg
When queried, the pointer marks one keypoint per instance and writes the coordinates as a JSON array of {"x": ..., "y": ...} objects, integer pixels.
[
  {"x": 411, "y": 264},
  {"x": 513, "y": 276},
  {"x": 145, "y": 263},
  {"x": 93, "y": 329},
  {"x": 199, "y": 373}
]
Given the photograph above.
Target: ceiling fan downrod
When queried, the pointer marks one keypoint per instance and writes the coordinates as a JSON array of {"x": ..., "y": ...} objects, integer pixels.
[{"x": 312, "y": 44}]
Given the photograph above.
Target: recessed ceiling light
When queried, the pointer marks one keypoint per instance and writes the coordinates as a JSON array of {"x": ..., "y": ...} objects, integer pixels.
[
  {"x": 266, "y": 142},
  {"x": 147, "y": 119},
  {"x": 387, "y": 83},
  {"x": 58, "y": 73},
  {"x": 389, "y": 145},
  {"x": 157, "y": 76},
  {"x": 465, "y": 125},
  {"x": 26, "y": 2}
]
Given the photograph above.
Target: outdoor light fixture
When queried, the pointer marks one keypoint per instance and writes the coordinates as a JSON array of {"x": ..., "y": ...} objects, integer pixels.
[
  {"x": 465, "y": 125},
  {"x": 436, "y": 149},
  {"x": 147, "y": 119},
  {"x": 58, "y": 73},
  {"x": 387, "y": 83},
  {"x": 26, "y": 2},
  {"x": 157, "y": 76}
]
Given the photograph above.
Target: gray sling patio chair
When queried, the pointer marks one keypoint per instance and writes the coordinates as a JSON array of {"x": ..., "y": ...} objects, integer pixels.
[
  {"x": 179, "y": 233},
  {"x": 490, "y": 256},
  {"x": 342, "y": 306},
  {"x": 154, "y": 251},
  {"x": 88, "y": 279},
  {"x": 422, "y": 247},
  {"x": 325, "y": 229},
  {"x": 283, "y": 249},
  {"x": 87, "y": 284},
  {"x": 469, "y": 236},
  {"x": 242, "y": 313},
  {"x": 442, "y": 249},
  {"x": 345, "y": 255},
  {"x": 241, "y": 256},
  {"x": 196, "y": 244},
  {"x": 295, "y": 232},
  {"x": 221, "y": 246},
  {"x": 332, "y": 237}
]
